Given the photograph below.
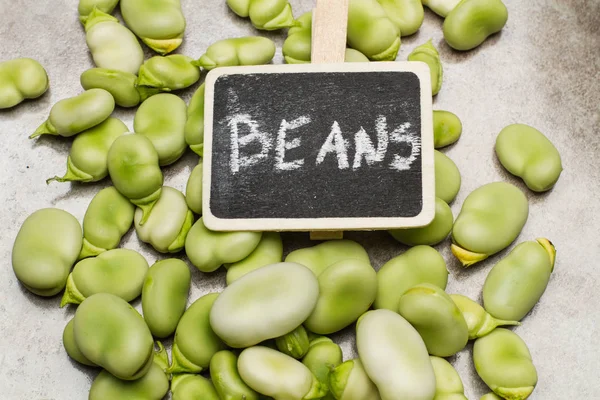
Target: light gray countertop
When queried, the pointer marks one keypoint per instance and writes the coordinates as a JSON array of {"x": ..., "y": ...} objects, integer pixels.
[{"x": 542, "y": 70}]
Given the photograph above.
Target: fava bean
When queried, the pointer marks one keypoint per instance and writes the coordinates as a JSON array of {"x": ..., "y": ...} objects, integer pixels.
[
  {"x": 503, "y": 362},
  {"x": 195, "y": 342},
  {"x": 226, "y": 377},
  {"x": 193, "y": 387},
  {"x": 71, "y": 347},
  {"x": 491, "y": 218},
  {"x": 168, "y": 73},
  {"x": 371, "y": 32},
  {"x": 208, "y": 250},
  {"x": 120, "y": 272},
  {"x": 447, "y": 128},
  {"x": 448, "y": 385},
  {"x": 112, "y": 45},
  {"x": 420, "y": 264},
  {"x": 518, "y": 281},
  {"x": 87, "y": 161},
  {"x": 249, "y": 310},
  {"x": 194, "y": 127},
  {"x": 20, "y": 79},
  {"x": 318, "y": 258},
  {"x": 87, "y": 6},
  {"x": 479, "y": 321},
  {"x": 294, "y": 344},
  {"x": 527, "y": 153},
  {"x": 394, "y": 356},
  {"x": 322, "y": 357},
  {"x": 490, "y": 396},
  {"x": 159, "y": 23},
  {"x": 121, "y": 85},
  {"x": 447, "y": 177},
  {"x": 45, "y": 249},
  {"x": 408, "y": 15},
  {"x": 268, "y": 251},
  {"x": 70, "y": 116},
  {"x": 441, "y": 7},
  {"x": 431, "y": 234},
  {"x": 352, "y": 55},
  {"x": 134, "y": 170},
  {"x": 250, "y": 50},
  {"x": 428, "y": 54},
  {"x": 164, "y": 296},
  {"x": 161, "y": 119},
  {"x": 268, "y": 15},
  {"x": 193, "y": 189},
  {"x": 349, "y": 381},
  {"x": 472, "y": 21},
  {"x": 112, "y": 334}
]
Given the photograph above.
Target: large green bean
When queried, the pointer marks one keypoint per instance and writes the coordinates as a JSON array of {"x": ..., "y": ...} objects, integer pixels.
[
  {"x": 448, "y": 385},
  {"x": 193, "y": 387},
  {"x": 447, "y": 177},
  {"x": 268, "y": 251},
  {"x": 267, "y": 15},
  {"x": 371, "y": 31},
  {"x": 194, "y": 126},
  {"x": 71, "y": 347},
  {"x": 118, "y": 83},
  {"x": 168, "y": 73},
  {"x": 318, "y": 258},
  {"x": 249, "y": 50},
  {"x": 431, "y": 234},
  {"x": 447, "y": 128},
  {"x": 20, "y": 79},
  {"x": 226, "y": 377},
  {"x": 408, "y": 15},
  {"x": 472, "y": 21}
]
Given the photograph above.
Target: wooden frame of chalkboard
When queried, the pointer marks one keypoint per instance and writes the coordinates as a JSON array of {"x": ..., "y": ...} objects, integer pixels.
[{"x": 331, "y": 147}]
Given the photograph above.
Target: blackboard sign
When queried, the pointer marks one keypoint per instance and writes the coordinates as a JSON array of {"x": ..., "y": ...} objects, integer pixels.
[{"x": 318, "y": 147}]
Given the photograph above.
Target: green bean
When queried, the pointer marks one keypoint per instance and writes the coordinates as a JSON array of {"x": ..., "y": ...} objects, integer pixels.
[
  {"x": 349, "y": 381},
  {"x": 112, "y": 45},
  {"x": 87, "y": 6},
  {"x": 208, "y": 250},
  {"x": 71, "y": 347},
  {"x": 268, "y": 251},
  {"x": 121, "y": 85},
  {"x": 134, "y": 170},
  {"x": 352, "y": 55},
  {"x": 408, "y": 15},
  {"x": 518, "y": 281},
  {"x": 420, "y": 264},
  {"x": 168, "y": 73},
  {"x": 441, "y": 7},
  {"x": 527, "y": 153},
  {"x": 432, "y": 234},
  {"x": 447, "y": 177},
  {"x": 161, "y": 119},
  {"x": 193, "y": 189},
  {"x": 322, "y": 357},
  {"x": 394, "y": 356},
  {"x": 249, "y": 50},
  {"x": 447, "y": 128},
  {"x": 503, "y": 362},
  {"x": 268, "y": 15},
  {"x": 491, "y": 218},
  {"x": 193, "y": 387},
  {"x": 168, "y": 224},
  {"x": 120, "y": 272},
  {"x": 70, "y": 116},
  {"x": 294, "y": 344},
  {"x": 371, "y": 32},
  {"x": 249, "y": 311},
  {"x": 159, "y": 23},
  {"x": 490, "y": 396},
  {"x": 195, "y": 341},
  {"x": 437, "y": 319},
  {"x": 42, "y": 259},
  {"x": 164, "y": 296},
  {"x": 479, "y": 321},
  {"x": 194, "y": 127},
  {"x": 472, "y": 21},
  {"x": 87, "y": 161},
  {"x": 20, "y": 79},
  {"x": 226, "y": 377},
  {"x": 318, "y": 258},
  {"x": 112, "y": 334},
  {"x": 428, "y": 54},
  {"x": 448, "y": 385}
]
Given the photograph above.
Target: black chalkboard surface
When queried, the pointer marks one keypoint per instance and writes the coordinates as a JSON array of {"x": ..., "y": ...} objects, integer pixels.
[{"x": 318, "y": 147}]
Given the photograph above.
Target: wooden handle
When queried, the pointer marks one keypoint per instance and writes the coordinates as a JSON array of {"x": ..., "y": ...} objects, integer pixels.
[{"x": 329, "y": 29}]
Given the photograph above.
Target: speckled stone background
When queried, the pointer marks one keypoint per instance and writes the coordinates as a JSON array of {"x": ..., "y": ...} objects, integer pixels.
[{"x": 542, "y": 70}]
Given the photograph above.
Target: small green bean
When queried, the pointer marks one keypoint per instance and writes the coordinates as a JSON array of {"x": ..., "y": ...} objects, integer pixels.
[
  {"x": 447, "y": 128},
  {"x": 428, "y": 54},
  {"x": 318, "y": 258},
  {"x": 447, "y": 177},
  {"x": 121, "y": 85},
  {"x": 408, "y": 15},
  {"x": 472, "y": 21},
  {"x": 371, "y": 31},
  {"x": 431, "y": 234},
  {"x": 193, "y": 387},
  {"x": 268, "y": 15},
  {"x": 71, "y": 347},
  {"x": 226, "y": 377},
  {"x": 250, "y": 50},
  {"x": 268, "y": 251},
  {"x": 20, "y": 79},
  {"x": 168, "y": 73},
  {"x": 193, "y": 189},
  {"x": 194, "y": 127},
  {"x": 448, "y": 385}
]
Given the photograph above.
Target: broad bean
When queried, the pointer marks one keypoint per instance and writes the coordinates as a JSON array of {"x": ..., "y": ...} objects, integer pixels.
[
  {"x": 20, "y": 79},
  {"x": 447, "y": 177},
  {"x": 134, "y": 170},
  {"x": 472, "y": 21},
  {"x": 71, "y": 347},
  {"x": 121, "y": 85},
  {"x": 193, "y": 189},
  {"x": 490, "y": 396},
  {"x": 437, "y": 319},
  {"x": 447, "y": 128},
  {"x": 161, "y": 119},
  {"x": 394, "y": 356},
  {"x": 194, "y": 126},
  {"x": 208, "y": 250},
  {"x": 294, "y": 344},
  {"x": 408, "y": 15},
  {"x": 87, "y": 6},
  {"x": 87, "y": 161},
  {"x": 112, "y": 334},
  {"x": 503, "y": 362},
  {"x": 70, "y": 116},
  {"x": 318, "y": 258},
  {"x": 349, "y": 381},
  {"x": 448, "y": 385},
  {"x": 268, "y": 15},
  {"x": 420, "y": 264},
  {"x": 491, "y": 218},
  {"x": 352, "y": 55},
  {"x": 159, "y": 23},
  {"x": 112, "y": 45},
  {"x": 250, "y": 50},
  {"x": 120, "y": 272},
  {"x": 168, "y": 73},
  {"x": 479, "y": 321},
  {"x": 431, "y": 234},
  {"x": 514, "y": 285},
  {"x": 226, "y": 377},
  {"x": 527, "y": 153},
  {"x": 441, "y": 7},
  {"x": 371, "y": 31},
  {"x": 268, "y": 251},
  {"x": 195, "y": 341},
  {"x": 45, "y": 249},
  {"x": 249, "y": 310},
  {"x": 428, "y": 54},
  {"x": 193, "y": 387},
  {"x": 164, "y": 295},
  {"x": 322, "y": 357}
]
